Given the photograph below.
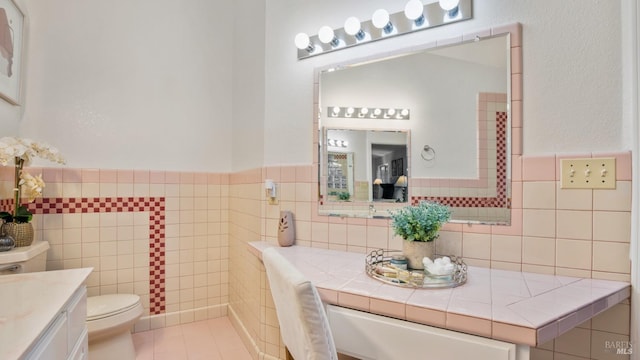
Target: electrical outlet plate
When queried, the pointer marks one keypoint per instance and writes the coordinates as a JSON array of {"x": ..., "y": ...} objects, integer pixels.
[{"x": 593, "y": 173}]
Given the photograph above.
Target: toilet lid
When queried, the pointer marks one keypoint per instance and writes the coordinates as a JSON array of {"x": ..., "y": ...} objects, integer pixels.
[{"x": 109, "y": 305}]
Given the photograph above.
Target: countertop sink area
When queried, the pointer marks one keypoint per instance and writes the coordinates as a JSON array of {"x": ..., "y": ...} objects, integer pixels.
[
  {"x": 30, "y": 302},
  {"x": 517, "y": 307}
]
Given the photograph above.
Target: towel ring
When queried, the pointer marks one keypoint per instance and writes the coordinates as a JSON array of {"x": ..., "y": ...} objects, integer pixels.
[{"x": 428, "y": 153}]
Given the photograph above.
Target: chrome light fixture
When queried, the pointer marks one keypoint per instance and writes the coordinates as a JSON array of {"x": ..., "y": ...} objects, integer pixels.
[
  {"x": 382, "y": 25},
  {"x": 365, "y": 113}
]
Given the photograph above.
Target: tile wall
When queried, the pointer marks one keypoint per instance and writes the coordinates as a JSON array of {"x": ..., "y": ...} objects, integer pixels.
[
  {"x": 100, "y": 218},
  {"x": 582, "y": 233},
  {"x": 161, "y": 235}
]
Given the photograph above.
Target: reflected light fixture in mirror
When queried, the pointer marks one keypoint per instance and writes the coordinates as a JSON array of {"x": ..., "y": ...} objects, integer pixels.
[
  {"x": 401, "y": 188},
  {"x": 402, "y": 181},
  {"x": 365, "y": 113},
  {"x": 383, "y": 25}
]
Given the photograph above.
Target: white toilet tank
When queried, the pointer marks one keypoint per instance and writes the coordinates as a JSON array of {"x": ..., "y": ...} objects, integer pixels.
[{"x": 24, "y": 259}]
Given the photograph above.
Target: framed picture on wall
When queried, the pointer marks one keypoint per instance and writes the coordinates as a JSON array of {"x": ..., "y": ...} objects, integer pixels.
[
  {"x": 394, "y": 168},
  {"x": 400, "y": 165},
  {"x": 11, "y": 42}
]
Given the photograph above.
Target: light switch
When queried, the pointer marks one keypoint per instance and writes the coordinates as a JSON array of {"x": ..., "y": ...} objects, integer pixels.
[{"x": 593, "y": 173}]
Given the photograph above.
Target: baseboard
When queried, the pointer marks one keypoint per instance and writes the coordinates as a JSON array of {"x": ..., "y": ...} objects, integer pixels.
[
  {"x": 151, "y": 322},
  {"x": 246, "y": 338}
]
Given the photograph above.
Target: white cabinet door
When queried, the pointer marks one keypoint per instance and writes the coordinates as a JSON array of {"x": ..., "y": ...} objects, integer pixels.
[
  {"x": 77, "y": 317},
  {"x": 66, "y": 336},
  {"x": 53, "y": 345}
]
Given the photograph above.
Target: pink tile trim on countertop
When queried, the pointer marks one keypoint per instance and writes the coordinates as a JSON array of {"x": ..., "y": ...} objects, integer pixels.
[{"x": 520, "y": 307}]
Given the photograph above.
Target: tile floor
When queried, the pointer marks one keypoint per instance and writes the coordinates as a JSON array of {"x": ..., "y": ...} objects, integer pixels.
[{"x": 214, "y": 339}]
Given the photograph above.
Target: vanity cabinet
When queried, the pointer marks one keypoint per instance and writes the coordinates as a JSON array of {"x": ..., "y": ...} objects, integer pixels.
[
  {"x": 66, "y": 335},
  {"x": 494, "y": 315},
  {"x": 44, "y": 316}
]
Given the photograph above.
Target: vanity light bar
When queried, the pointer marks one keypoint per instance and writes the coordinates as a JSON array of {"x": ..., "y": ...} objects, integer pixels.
[
  {"x": 404, "y": 22},
  {"x": 368, "y": 113},
  {"x": 337, "y": 143}
]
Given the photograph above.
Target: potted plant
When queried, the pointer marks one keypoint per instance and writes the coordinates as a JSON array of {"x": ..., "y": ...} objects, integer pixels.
[
  {"x": 20, "y": 151},
  {"x": 419, "y": 225}
]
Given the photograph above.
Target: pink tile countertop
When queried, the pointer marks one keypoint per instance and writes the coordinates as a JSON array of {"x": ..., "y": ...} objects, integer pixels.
[{"x": 518, "y": 307}]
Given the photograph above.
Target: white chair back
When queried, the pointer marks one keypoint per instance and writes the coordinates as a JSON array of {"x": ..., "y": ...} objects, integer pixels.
[{"x": 304, "y": 326}]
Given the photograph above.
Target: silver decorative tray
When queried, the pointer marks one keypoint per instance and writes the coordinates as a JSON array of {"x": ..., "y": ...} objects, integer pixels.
[{"x": 378, "y": 266}]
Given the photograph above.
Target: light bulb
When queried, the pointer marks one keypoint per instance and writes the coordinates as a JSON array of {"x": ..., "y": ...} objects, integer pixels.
[
  {"x": 448, "y": 5},
  {"x": 376, "y": 112},
  {"x": 363, "y": 112},
  {"x": 353, "y": 27},
  {"x": 327, "y": 36},
  {"x": 335, "y": 111},
  {"x": 350, "y": 111},
  {"x": 380, "y": 19},
  {"x": 303, "y": 43},
  {"x": 404, "y": 112},
  {"x": 390, "y": 112},
  {"x": 414, "y": 10}
]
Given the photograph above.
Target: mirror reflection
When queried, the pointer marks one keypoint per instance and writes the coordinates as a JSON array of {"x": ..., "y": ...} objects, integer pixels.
[
  {"x": 457, "y": 146},
  {"x": 365, "y": 166}
]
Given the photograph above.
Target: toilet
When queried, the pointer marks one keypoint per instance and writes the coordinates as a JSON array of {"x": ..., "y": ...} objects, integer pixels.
[
  {"x": 109, "y": 317},
  {"x": 109, "y": 322}
]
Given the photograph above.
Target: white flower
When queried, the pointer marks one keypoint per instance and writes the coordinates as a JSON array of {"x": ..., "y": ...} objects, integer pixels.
[
  {"x": 20, "y": 152},
  {"x": 33, "y": 185},
  {"x": 26, "y": 149}
]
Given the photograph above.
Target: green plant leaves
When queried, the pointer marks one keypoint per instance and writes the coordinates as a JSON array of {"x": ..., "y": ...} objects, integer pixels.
[
  {"x": 420, "y": 222},
  {"x": 23, "y": 215}
]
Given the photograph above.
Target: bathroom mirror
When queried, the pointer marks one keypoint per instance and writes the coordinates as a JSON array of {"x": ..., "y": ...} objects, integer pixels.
[
  {"x": 363, "y": 166},
  {"x": 457, "y": 99}
]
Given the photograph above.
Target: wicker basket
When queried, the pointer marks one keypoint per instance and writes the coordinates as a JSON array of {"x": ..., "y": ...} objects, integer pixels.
[{"x": 22, "y": 233}]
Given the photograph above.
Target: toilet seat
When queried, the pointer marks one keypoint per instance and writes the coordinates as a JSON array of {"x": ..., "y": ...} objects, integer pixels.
[{"x": 103, "y": 306}]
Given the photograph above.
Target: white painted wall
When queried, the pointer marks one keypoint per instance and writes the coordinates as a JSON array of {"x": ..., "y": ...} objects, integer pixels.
[
  {"x": 248, "y": 85},
  {"x": 149, "y": 84},
  {"x": 131, "y": 84},
  {"x": 572, "y": 70}
]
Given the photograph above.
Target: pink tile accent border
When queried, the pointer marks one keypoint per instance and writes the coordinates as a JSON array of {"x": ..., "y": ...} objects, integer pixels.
[{"x": 154, "y": 205}]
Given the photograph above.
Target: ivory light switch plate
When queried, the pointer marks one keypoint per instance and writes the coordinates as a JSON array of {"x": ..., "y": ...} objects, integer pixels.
[{"x": 595, "y": 173}]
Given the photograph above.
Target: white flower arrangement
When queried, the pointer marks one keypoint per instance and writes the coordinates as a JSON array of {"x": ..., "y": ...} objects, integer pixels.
[{"x": 21, "y": 152}]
